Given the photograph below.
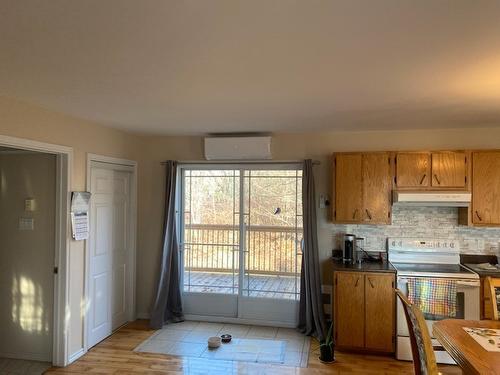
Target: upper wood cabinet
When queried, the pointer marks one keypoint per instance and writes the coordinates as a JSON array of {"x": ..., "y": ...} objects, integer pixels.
[
  {"x": 486, "y": 188},
  {"x": 364, "y": 310},
  {"x": 449, "y": 169},
  {"x": 413, "y": 169},
  {"x": 431, "y": 170},
  {"x": 362, "y": 188},
  {"x": 348, "y": 187}
]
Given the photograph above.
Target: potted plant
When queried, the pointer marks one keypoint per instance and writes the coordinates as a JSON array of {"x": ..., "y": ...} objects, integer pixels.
[{"x": 326, "y": 347}]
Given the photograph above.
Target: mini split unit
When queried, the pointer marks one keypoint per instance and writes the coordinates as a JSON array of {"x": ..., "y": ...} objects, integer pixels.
[{"x": 238, "y": 148}]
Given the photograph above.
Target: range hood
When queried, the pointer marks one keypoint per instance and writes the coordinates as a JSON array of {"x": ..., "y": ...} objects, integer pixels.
[{"x": 432, "y": 198}]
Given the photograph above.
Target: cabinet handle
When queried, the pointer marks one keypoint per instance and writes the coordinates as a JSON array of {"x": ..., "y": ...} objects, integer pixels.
[
  {"x": 371, "y": 284},
  {"x": 368, "y": 214},
  {"x": 437, "y": 179},
  {"x": 422, "y": 179},
  {"x": 478, "y": 216},
  {"x": 357, "y": 282},
  {"x": 354, "y": 214}
]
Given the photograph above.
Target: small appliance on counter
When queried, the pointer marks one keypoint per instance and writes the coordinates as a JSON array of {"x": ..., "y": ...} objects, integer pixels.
[{"x": 349, "y": 254}]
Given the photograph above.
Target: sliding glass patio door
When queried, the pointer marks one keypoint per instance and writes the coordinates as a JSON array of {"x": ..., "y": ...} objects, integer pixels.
[{"x": 241, "y": 229}]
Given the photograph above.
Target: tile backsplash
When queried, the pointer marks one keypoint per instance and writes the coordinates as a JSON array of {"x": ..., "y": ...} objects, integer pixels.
[{"x": 424, "y": 222}]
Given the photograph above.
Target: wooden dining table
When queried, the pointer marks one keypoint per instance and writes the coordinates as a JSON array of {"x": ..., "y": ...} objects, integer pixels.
[{"x": 469, "y": 355}]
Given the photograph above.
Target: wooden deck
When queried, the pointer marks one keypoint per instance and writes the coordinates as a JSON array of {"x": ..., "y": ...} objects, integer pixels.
[{"x": 266, "y": 286}]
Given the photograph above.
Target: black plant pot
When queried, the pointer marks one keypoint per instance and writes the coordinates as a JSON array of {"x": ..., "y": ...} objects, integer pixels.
[{"x": 326, "y": 354}]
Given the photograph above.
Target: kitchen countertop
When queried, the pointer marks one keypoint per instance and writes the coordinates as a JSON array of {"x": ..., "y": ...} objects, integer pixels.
[
  {"x": 471, "y": 260},
  {"x": 364, "y": 267}
]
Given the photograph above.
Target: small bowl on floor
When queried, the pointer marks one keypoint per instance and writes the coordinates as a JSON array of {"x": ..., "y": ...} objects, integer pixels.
[
  {"x": 214, "y": 342},
  {"x": 226, "y": 338}
]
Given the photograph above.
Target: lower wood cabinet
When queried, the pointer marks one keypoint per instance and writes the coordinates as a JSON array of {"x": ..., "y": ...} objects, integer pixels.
[{"x": 364, "y": 311}]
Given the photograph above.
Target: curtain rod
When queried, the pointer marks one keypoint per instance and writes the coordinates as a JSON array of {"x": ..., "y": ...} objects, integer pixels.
[{"x": 315, "y": 162}]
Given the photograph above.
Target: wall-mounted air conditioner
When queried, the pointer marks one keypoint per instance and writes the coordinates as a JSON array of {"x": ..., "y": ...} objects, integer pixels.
[{"x": 238, "y": 148}]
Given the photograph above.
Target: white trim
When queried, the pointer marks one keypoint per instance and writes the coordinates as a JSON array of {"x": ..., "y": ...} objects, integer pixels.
[
  {"x": 224, "y": 319},
  {"x": 77, "y": 355},
  {"x": 60, "y": 350},
  {"x": 110, "y": 160},
  {"x": 131, "y": 166}
]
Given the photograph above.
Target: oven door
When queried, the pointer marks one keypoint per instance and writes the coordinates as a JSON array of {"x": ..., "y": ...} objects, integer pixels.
[{"x": 467, "y": 308}]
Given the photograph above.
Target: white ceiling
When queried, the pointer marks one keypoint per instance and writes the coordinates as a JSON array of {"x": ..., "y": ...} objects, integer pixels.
[{"x": 200, "y": 66}]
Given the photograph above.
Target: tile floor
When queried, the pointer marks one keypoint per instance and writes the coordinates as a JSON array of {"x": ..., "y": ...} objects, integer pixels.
[
  {"x": 22, "y": 367},
  {"x": 250, "y": 343}
]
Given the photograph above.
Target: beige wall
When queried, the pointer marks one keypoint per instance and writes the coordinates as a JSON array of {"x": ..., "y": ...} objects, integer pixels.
[
  {"x": 27, "y": 256},
  {"x": 295, "y": 146},
  {"x": 26, "y": 121},
  {"x": 19, "y": 119}
]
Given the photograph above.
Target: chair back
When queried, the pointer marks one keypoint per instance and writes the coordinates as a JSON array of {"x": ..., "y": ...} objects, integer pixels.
[
  {"x": 492, "y": 285},
  {"x": 424, "y": 360}
]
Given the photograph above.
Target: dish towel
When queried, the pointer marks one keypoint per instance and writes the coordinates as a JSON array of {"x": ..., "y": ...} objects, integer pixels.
[{"x": 434, "y": 296}]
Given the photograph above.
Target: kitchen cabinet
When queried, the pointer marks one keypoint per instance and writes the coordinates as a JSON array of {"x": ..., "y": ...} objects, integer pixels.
[
  {"x": 362, "y": 188},
  {"x": 364, "y": 311},
  {"x": 348, "y": 187},
  {"x": 431, "y": 170},
  {"x": 449, "y": 169},
  {"x": 349, "y": 309},
  {"x": 379, "y": 306},
  {"x": 413, "y": 169},
  {"x": 485, "y": 208}
]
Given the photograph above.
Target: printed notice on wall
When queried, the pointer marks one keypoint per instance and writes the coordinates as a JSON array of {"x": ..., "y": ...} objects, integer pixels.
[{"x": 80, "y": 215}]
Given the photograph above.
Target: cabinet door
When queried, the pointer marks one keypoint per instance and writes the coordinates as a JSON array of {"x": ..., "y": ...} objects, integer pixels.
[
  {"x": 486, "y": 187},
  {"x": 449, "y": 169},
  {"x": 376, "y": 188},
  {"x": 379, "y": 313},
  {"x": 349, "y": 309},
  {"x": 413, "y": 169},
  {"x": 348, "y": 188}
]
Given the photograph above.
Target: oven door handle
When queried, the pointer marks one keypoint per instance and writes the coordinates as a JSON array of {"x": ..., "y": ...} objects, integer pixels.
[
  {"x": 465, "y": 283},
  {"x": 469, "y": 283}
]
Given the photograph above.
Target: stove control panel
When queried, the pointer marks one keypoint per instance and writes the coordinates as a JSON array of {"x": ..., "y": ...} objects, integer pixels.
[{"x": 423, "y": 245}]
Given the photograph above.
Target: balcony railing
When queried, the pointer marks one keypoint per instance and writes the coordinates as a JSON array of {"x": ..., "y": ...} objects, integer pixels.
[{"x": 272, "y": 250}]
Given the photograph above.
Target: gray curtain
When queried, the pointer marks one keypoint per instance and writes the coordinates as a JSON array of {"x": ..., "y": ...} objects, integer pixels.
[
  {"x": 311, "y": 315},
  {"x": 167, "y": 305}
]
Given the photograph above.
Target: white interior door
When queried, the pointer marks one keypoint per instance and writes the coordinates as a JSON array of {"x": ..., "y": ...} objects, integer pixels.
[
  {"x": 121, "y": 224},
  {"x": 110, "y": 274},
  {"x": 101, "y": 247}
]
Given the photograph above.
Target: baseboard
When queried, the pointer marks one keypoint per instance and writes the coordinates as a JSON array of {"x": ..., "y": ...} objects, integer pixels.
[
  {"x": 27, "y": 356},
  {"x": 73, "y": 357},
  {"x": 143, "y": 315}
]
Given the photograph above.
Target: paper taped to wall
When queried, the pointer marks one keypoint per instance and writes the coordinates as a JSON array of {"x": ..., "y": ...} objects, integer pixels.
[{"x": 80, "y": 214}]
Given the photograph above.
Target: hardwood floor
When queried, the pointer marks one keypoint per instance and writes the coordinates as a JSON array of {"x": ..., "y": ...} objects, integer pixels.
[{"x": 115, "y": 355}]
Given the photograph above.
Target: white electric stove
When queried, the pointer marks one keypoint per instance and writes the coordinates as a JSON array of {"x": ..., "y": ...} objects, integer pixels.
[{"x": 431, "y": 258}]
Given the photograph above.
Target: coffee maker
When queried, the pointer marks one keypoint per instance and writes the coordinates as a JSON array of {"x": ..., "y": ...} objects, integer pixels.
[{"x": 349, "y": 253}]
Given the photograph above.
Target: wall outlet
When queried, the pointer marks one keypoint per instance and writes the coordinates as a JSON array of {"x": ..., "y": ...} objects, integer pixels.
[{"x": 26, "y": 223}]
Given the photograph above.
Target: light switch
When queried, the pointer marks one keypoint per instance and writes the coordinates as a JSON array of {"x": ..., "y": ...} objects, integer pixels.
[
  {"x": 26, "y": 223},
  {"x": 29, "y": 204}
]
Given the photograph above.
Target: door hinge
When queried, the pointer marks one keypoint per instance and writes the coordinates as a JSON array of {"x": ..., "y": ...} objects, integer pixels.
[
  {"x": 392, "y": 283},
  {"x": 395, "y": 160},
  {"x": 388, "y": 213},
  {"x": 56, "y": 270},
  {"x": 389, "y": 160},
  {"x": 396, "y": 180},
  {"x": 336, "y": 281},
  {"x": 465, "y": 179},
  {"x": 335, "y": 214}
]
